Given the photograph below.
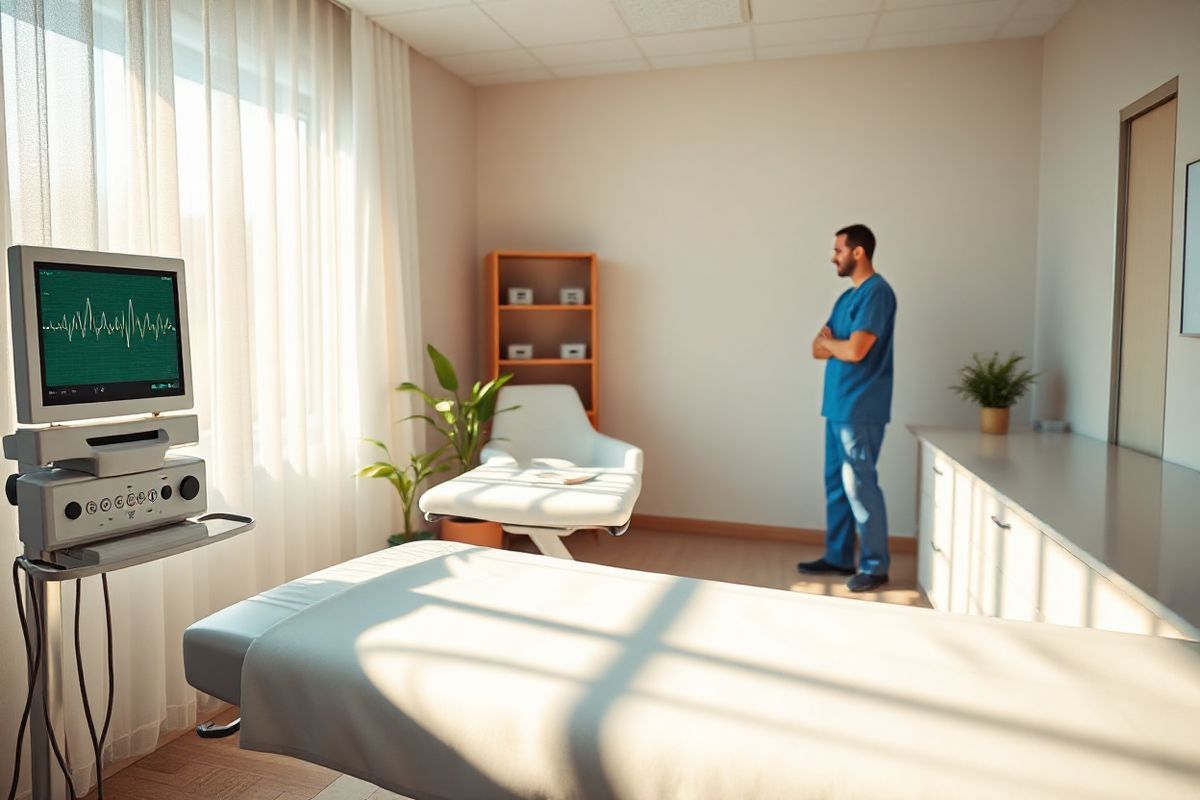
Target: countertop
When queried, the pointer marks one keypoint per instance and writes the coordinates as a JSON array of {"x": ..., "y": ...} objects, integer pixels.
[{"x": 1129, "y": 516}]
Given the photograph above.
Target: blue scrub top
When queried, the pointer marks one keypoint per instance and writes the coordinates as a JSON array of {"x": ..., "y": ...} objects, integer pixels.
[{"x": 862, "y": 391}]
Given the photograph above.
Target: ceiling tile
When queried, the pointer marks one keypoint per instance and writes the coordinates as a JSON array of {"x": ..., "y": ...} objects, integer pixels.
[
  {"x": 1032, "y": 9},
  {"x": 607, "y": 68},
  {"x": 813, "y": 30},
  {"x": 931, "y": 38},
  {"x": 674, "y": 44},
  {"x": 519, "y": 76},
  {"x": 811, "y": 49},
  {"x": 765, "y": 11},
  {"x": 561, "y": 55},
  {"x": 495, "y": 61},
  {"x": 448, "y": 31},
  {"x": 651, "y": 17},
  {"x": 1027, "y": 26},
  {"x": 377, "y": 8},
  {"x": 991, "y": 12},
  {"x": 535, "y": 23},
  {"x": 701, "y": 59},
  {"x": 924, "y": 3}
]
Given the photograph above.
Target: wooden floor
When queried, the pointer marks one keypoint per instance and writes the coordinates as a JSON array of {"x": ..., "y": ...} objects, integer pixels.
[{"x": 189, "y": 767}]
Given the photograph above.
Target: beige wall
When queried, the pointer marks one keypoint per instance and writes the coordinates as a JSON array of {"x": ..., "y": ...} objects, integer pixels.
[
  {"x": 711, "y": 196},
  {"x": 1102, "y": 56},
  {"x": 443, "y": 113}
]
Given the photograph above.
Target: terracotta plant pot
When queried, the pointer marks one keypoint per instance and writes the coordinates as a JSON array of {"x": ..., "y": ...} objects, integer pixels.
[
  {"x": 993, "y": 420},
  {"x": 472, "y": 531}
]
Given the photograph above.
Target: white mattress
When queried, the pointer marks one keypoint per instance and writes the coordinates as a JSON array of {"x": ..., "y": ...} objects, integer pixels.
[
  {"x": 478, "y": 673},
  {"x": 492, "y": 492},
  {"x": 214, "y": 647}
]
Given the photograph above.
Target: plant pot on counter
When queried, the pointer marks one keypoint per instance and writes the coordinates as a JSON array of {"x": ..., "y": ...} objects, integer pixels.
[
  {"x": 472, "y": 531},
  {"x": 993, "y": 420}
]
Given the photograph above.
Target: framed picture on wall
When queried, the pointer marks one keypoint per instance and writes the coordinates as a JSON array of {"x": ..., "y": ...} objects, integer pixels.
[{"x": 1190, "y": 323}]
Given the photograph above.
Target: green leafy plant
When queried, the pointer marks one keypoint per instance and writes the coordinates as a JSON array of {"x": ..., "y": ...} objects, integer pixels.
[
  {"x": 406, "y": 479},
  {"x": 461, "y": 419},
  {"x": 994, "y": 383}
]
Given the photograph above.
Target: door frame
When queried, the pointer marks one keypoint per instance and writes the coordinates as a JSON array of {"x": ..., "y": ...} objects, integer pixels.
[{"x": 1163, "y": 94}]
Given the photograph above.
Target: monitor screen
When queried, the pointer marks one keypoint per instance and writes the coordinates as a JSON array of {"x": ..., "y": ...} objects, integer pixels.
[
  {"x": 106, "y": 333},
  {"x": 97, "y": 334}
]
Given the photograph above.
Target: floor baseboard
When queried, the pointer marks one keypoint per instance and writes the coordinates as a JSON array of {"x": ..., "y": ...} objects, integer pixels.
[{"x": 745, "y": 530}]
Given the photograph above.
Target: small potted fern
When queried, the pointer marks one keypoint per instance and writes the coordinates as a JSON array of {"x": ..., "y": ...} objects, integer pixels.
[{"x": 996, "y": 386}]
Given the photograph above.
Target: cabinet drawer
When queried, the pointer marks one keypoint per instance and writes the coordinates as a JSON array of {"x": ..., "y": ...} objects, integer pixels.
[
  {"x": 939, "y": 581},
  {"x": 937, "y": 475},
  {"x": 1067, "y": 585},
  {"x": 962, "y": 535},
  {"x": 1020, "y": 546},
  {"x": 924, "y": 543}
]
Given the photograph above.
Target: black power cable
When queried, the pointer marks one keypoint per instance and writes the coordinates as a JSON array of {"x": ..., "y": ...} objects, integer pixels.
[
  {"x": 96, "y": 743},
  {"x": 58, "y": 756},
  {"x": 32, "y": 667},
  {"x": 35, "y": 659}
]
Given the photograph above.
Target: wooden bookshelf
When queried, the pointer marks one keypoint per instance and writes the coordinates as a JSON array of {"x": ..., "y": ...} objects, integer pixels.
[{"x": 546, "y": 323}]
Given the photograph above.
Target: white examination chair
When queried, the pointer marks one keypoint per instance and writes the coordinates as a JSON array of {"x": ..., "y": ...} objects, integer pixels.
[
  {"x": 549, "y": 431},
  {"x": 550, "y": 427}
]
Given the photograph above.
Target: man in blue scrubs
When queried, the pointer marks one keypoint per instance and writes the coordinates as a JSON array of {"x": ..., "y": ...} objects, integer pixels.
[{"x": 857, "y": 343}]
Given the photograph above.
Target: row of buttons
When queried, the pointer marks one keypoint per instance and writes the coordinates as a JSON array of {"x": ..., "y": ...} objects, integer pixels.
[
  {"x": 128, "y": 500},
  {"x": 189, "y": 488}
]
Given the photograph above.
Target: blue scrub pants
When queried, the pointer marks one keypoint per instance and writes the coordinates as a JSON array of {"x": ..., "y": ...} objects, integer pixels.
[{"x": 853, "y": 497}]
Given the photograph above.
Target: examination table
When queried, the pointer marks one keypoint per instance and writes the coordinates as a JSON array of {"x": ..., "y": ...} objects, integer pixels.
[{"x": 440, "y": 670}]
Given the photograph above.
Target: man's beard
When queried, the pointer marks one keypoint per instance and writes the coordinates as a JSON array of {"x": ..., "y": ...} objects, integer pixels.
[{"x": 847, "y": 270}]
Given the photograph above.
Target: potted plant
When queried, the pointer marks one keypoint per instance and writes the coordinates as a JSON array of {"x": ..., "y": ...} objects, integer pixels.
[
  {"x": 461, "y": 419},
  {"x": 995, "y": 386},
  {"x": 406, "y": 479}
]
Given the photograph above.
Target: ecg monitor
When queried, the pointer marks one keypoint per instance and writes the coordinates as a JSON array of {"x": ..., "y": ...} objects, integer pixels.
[{"x": 97, "y": 334}]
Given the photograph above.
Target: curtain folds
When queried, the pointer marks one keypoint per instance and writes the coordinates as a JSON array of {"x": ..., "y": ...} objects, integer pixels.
[{"x": 268, "y": 144}]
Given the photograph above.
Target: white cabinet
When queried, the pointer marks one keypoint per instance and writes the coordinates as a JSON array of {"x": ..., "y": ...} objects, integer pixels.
[
  {"x": 980, "y": 554},
  {"x": 936, "y": 526}
]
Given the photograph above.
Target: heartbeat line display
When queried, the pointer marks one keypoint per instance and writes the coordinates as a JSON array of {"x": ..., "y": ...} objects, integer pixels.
[
  {"x": 104, "y": 327},
  {"x": 125, "y": 325}
]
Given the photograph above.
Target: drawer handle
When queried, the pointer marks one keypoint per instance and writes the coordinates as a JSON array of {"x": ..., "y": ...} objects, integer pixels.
[
  {"x": 1002, "y": 525},
  {"x": 937, "y": 471}
]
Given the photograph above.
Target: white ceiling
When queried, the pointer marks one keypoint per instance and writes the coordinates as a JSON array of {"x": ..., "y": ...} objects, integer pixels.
[{"x": 509, "y": 41}]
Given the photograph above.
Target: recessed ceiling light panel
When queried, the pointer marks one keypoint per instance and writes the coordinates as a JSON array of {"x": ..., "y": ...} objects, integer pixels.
[{"x": 647, "y": 17}]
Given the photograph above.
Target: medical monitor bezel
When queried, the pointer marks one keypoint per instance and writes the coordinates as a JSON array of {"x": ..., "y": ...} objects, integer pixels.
[{"x": 27, "y": 357}]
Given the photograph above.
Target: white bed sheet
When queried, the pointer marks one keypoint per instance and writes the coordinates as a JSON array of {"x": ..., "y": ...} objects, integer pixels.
[{"x": 477, "y": 673}]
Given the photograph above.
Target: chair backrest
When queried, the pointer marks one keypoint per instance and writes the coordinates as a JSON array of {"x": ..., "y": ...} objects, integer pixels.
[{"x": 550, "y": 423}]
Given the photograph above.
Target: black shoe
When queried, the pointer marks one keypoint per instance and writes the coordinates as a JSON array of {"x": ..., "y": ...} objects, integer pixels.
[
  {"x": 863, "y": 582},
  {"x": 823, "y": 567}
]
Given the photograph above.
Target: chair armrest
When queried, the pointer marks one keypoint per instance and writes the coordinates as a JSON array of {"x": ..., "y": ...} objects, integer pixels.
[{"x": 615, "y": 454}]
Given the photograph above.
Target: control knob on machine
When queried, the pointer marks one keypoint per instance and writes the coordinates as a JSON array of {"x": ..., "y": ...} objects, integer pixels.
[
  {"x": 73, "y": 510},
  {"x": 189, "y": 487}
]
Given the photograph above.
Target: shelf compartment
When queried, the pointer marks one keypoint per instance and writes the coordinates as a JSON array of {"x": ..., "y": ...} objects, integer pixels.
[
  {"x": 545, "y": 331},
  {"x": 545, "y": 275}
]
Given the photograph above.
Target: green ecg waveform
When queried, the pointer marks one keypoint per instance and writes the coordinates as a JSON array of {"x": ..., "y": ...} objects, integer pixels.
[{"x": 100, "y": 327}]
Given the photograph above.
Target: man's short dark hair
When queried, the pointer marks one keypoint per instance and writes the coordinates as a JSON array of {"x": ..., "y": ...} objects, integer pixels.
[{"x": 859, "y": 236}]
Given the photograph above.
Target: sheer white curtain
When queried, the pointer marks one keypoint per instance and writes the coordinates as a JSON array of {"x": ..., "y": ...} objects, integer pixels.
[{"x": 244, "y": 137}]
